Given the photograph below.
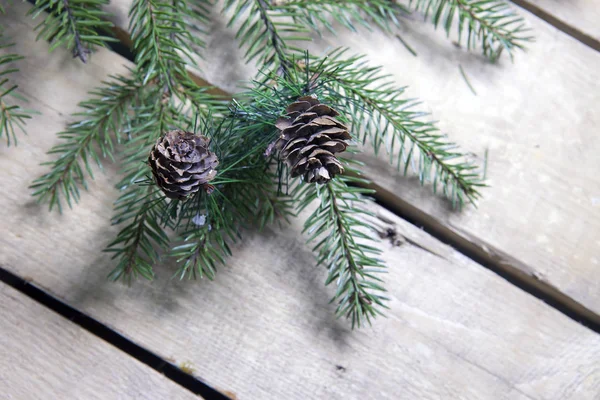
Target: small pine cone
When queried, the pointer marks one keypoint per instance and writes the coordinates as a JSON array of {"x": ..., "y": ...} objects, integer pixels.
[
  {"x": 181, "y": 163},
  {"x": 309, "y": 138}
]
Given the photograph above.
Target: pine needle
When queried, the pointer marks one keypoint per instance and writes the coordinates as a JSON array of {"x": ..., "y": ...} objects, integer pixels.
[
  {"x": 410, "y": 49},
  {"x": 462, "y": 72}
]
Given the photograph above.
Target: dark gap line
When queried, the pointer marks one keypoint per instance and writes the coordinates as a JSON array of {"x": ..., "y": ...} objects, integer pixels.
[
  {"x": 102, "y": 331},
  {"x": 122, "y": 47},
  {"x": 559, "y": 24},
  {"x": 500, "y": 264}
]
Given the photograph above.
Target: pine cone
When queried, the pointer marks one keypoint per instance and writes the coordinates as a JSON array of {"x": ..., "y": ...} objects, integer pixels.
[
  {"x": 181, "y": 163},
  {"x": 310, "y": 136}
]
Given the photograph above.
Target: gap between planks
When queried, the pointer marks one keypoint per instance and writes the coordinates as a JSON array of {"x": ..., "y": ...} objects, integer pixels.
[
  {"x": 490, "y": 258},
  {"x": 104, "y": 332},
  {"x": 559, "y": 24},
  {"x": 44, "y": 356}
]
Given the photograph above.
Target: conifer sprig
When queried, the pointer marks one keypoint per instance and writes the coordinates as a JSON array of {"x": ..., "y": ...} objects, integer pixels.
[
  {"x": 345, "y": 245},
  {"x": 160, "y": 41},
  {"x": 269, "y": 37},
  {"x": 137, "y": 246},
  {"x": 80, "y": 25},
  {"x": 490, "y": 24},
  {"x": 88, "y": 140},
  {"x": 140, "y": 208},
  {"x": 202, "y": 244},
  {"x": 381, "y": 115},
  {"x": 350, "y": 14},
  {"x": 12, "y": 115}
]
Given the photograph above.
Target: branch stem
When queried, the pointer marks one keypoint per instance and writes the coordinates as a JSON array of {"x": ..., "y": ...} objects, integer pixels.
[
  {"x": 467, "y": 8},
  {"x": 276, "y": 41},
  {"x": 79, "y": 50},
  {"x": 343, "y": 235}
]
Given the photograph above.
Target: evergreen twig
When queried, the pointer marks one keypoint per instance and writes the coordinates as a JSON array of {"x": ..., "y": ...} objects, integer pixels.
[
  {"x": 80, "y": 25},
  {"x": 274, "y": 39},
  {"x": 384, "y": 14},
  {"x": 12, "y": 116},
  {"x": 140, "y": 208},
  {"x": 380, "y": 114},
  {"x": 268, "y": 36},
  {"x": 99, "y": 127},
  {"x": 160, "y": 40},
  {"x": 491, "y": 24},
  {"x": 143, "y": 233},
  {"x": 341, "y": 233}
]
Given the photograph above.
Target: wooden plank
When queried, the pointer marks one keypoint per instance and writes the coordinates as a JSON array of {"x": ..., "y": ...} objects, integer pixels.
[
  {"x": 576, "y": 18},
  {"x": 45, "y": 356},
  {"x": 544, "y": 201},
  {"x": 532, "y": 115},
  {"x": 264, "y": 328}
]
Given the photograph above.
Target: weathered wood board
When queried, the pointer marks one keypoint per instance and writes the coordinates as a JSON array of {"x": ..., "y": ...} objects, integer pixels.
[
  {"x": 536, "y": 116},
  {"x": 541, "y": 215},
  {"x": 583, "y": 16},
  {"x": 264, "y": 329},
  {"x": 45, "y": 356}
]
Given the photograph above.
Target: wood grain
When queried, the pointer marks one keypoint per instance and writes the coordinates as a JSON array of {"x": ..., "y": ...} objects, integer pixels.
[
  {"x": 45, "y": 356},
  {"x": 264, "y": 329},
  {"x": 535, "y": 116}
]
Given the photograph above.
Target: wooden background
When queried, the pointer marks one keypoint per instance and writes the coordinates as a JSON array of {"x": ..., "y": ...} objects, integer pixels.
[{"x": 264, "y": 329}]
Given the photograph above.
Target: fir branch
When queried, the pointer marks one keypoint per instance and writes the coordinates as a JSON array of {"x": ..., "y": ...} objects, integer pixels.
[
  {"x": 161, "y": 41},
  {"x": 245, "y": 195},
  {"x": 98, "y": 128},
  {"x": 195, "y": 19},
  {"x": 274, "y": 39},
  {"x": 12, "y": 116},
  {"x": 339, "y": 228},
  {"x": 135, "y": 245},
  {"x": 491, "y": 24},
  {"x": 380, "y": 114},
  {"x": 203, "y": 243},
  {"x": 164, "y": 46},
  {"x": 140, "y": 209},
  {"x": 78, "y": 24},
  {"x": 348, "y": 13},
  {"x": 267, "y": 35}
]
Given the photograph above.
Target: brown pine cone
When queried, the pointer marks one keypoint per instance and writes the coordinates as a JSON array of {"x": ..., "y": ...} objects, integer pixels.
[
  {"x": 181, "y": 163},
  {"x": 310, "y": 136}
]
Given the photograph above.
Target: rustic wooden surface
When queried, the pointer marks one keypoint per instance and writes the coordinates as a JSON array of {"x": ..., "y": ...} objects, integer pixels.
[
  {"x": 263, "y": 329},
  {"x": 578, "y": 18},
  {"x": 544, "y": 201},
  {"x": 536, "y": 116},
  {"x": 45, "y": 356}
]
